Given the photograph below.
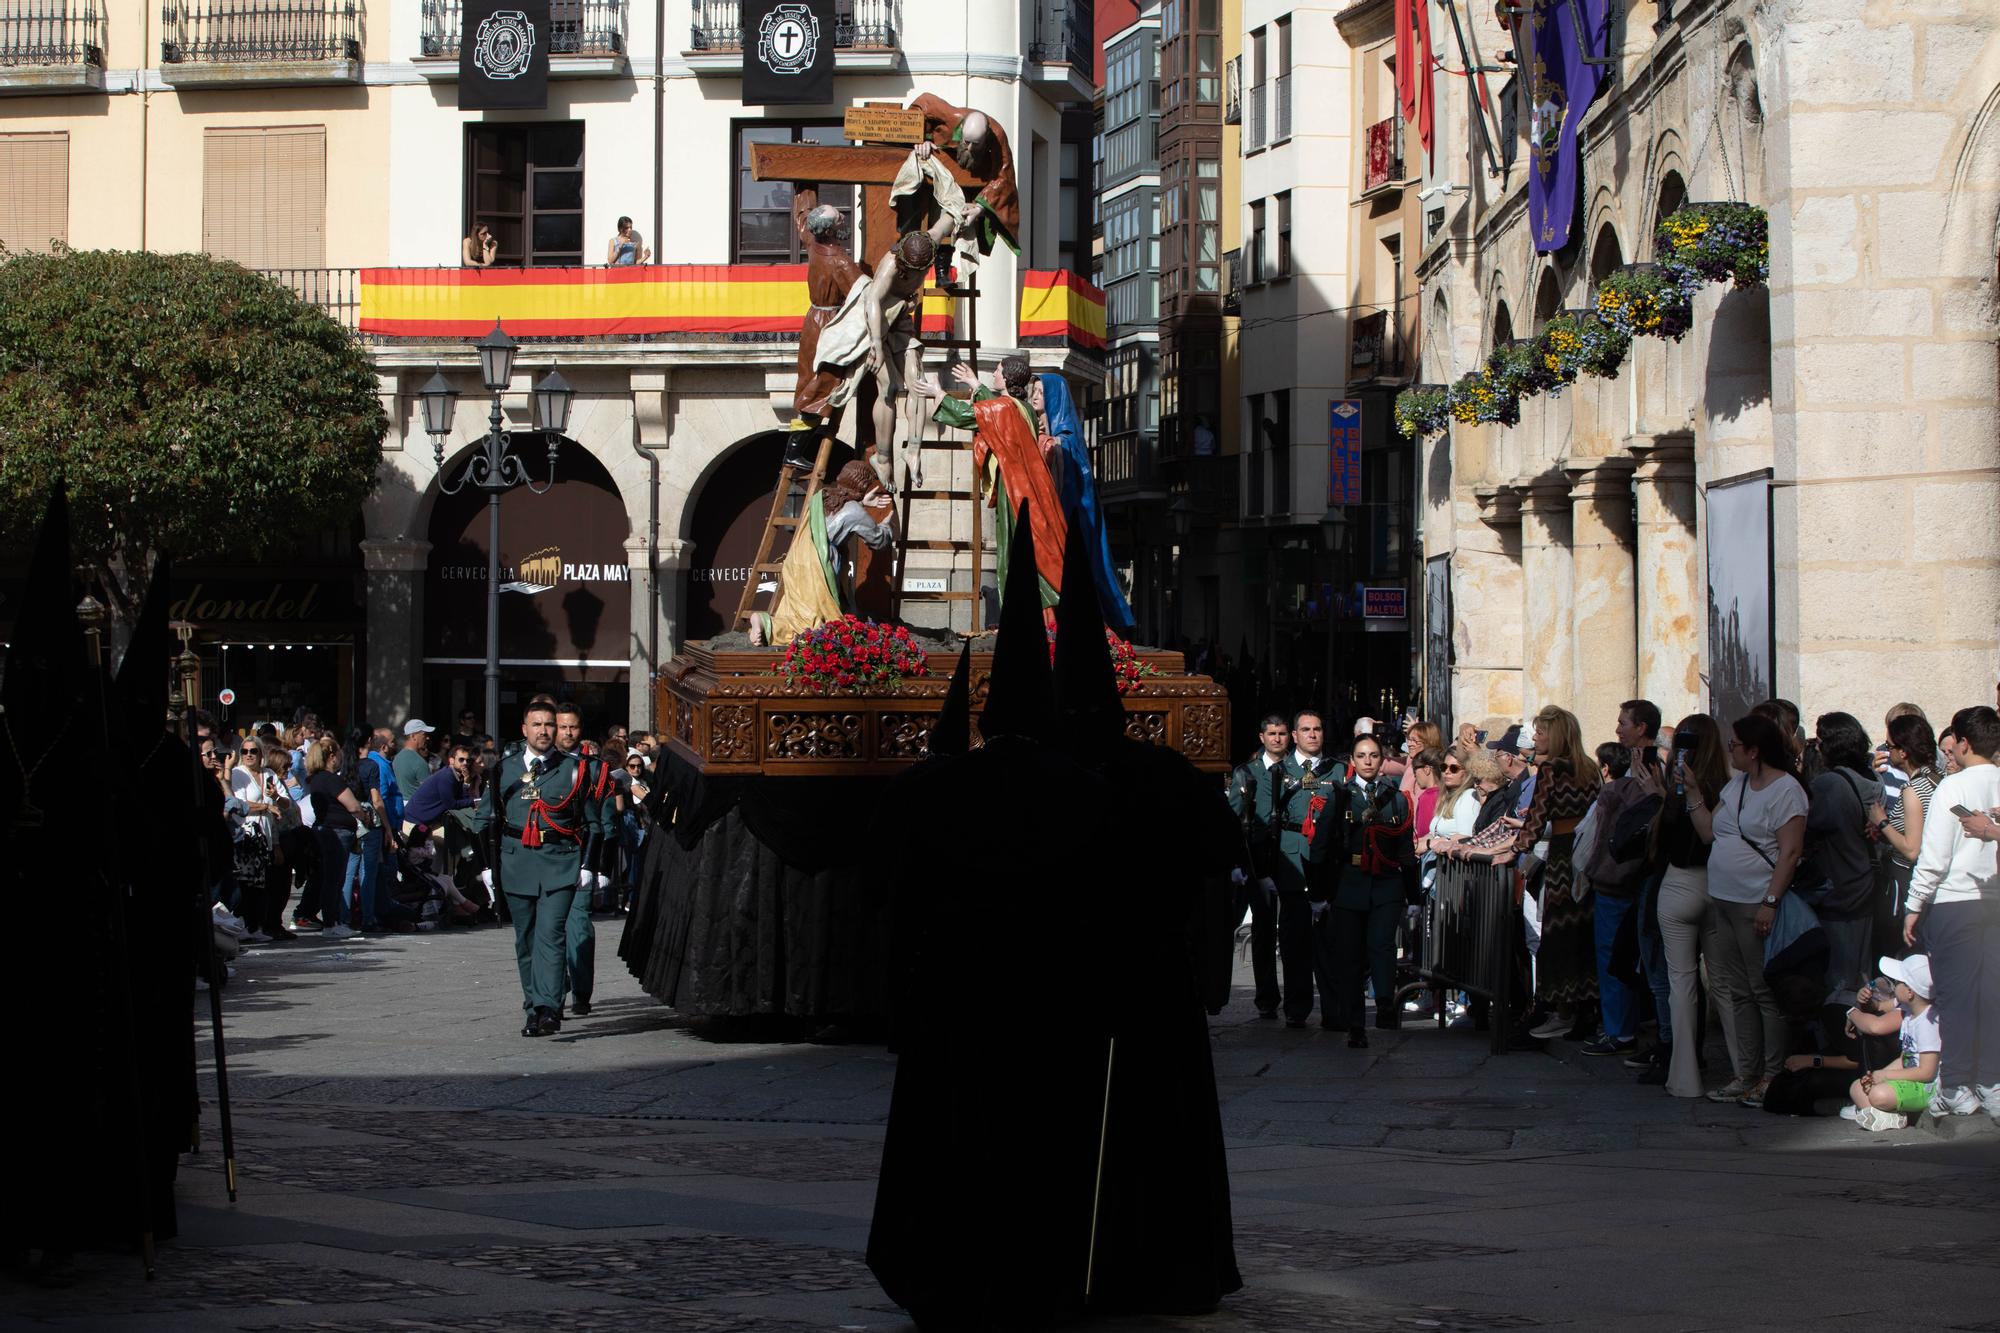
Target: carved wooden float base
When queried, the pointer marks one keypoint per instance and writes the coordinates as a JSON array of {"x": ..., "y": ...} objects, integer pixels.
[{"x": 725, "y": 711}]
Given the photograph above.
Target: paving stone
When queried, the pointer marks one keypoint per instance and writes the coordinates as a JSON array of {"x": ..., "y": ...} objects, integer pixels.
[
  {"x": 591, "y": 1320},
  {"x": 352, "y": 1168},
  {"x": 188, "y": 1279},
  {"x": 1265, "y": 1310},
  {"x": 801, "y": 1160},
  {"x": 1281, "y": 1249},
  {"x": 668, "y": 1268},
  {"x": 273, "y": 1119}
]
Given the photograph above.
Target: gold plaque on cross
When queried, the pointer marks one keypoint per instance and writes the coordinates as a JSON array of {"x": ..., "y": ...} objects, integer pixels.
[{"x": 880, "y": 124}]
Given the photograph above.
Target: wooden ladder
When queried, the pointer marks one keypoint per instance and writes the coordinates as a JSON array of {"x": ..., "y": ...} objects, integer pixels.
[
  {"x": 788, "y": 511},
  {"x": 923, "y": 434}
]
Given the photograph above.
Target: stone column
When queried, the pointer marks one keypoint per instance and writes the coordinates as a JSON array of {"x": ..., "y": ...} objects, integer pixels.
[
  {"x": 639, "y": 707},
  {"x": 1604, "y": 623},
  {"x": 674, "y": 554},
  {"x": 393, "y": 671},
  {"x": 1547, "y": 606},
  {"x": 1486, "y": 605},
  {"x": 1671, "y": 603}
]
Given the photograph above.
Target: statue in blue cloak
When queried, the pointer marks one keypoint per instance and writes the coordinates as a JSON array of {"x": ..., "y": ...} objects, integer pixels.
[{"x": 1079, "y": 497}]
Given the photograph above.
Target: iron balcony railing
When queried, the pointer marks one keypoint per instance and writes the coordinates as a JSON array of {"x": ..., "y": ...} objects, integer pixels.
[
  {"x": 1232, "y": 91},
  {"x": 1253, "y": 117},
  {"x": 238, "y": 31},
  {"x": 337, "y": 291},
  {"x": 858, "y": 25},
  {"x": 576, "y": 28},
  {"x": 1281, "y": 109},
  {"x": 1385, "y": 153},
  {"x": 1062, "y": 33},
  {"x": 51, "y": 32}
]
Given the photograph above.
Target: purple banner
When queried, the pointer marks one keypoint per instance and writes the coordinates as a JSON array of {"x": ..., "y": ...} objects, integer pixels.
[
  {"x": 1561, "y": 87},
  {"x": 1343, "y": 453}
]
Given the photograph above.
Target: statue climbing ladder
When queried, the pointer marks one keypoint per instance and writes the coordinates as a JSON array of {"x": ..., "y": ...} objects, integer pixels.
[
  {"x": 796, "y": 488},
  {"x": 924, "y": 435}
]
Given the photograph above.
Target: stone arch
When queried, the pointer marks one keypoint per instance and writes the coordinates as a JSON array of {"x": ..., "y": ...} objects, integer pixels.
[
  {"x": 1606, "y": 254},
  {"x": 1970, "y": 235},
  {"x": 1437, "y": 339},
  {"x": 1548, "y": 297},
  {"x": 1742, "y": 129},
  {"x": 1495, "y": 308},
  {"x": 1669, "y": 197},
  {"x": 1503, "y": 323}
]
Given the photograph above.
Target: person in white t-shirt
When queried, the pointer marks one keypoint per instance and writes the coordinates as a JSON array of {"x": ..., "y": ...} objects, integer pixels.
[
  {"x": 1886, "y": 1098},
  {"x": 1954, "y": 893},
  {"x": 1760, "y": 833}
]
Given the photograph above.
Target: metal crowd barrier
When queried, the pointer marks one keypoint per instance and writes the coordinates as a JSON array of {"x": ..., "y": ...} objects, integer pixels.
[{"x": 1472, "y": 936}]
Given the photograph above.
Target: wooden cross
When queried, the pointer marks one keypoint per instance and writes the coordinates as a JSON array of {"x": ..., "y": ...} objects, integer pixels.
[{"x": 872, "y": 168}]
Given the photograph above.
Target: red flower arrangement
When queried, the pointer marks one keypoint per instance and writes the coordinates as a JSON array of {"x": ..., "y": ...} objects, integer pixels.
[
  {"x": 851, "y": 655},
  {"x": 1126, "y": 665}
]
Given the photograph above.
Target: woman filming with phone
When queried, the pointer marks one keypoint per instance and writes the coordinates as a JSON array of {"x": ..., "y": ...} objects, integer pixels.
[{"x": 1682, "y": 834}]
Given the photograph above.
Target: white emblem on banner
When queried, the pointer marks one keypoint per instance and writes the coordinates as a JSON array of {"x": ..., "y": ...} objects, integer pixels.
[
  {"x": 505, "y": 44},
  {"x": 789, "y": 39}
]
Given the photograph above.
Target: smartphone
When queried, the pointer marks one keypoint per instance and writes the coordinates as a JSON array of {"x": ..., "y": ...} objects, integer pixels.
[
  {"x": 1683, "y": 741},
  {"x": 1962, "y": 812}
]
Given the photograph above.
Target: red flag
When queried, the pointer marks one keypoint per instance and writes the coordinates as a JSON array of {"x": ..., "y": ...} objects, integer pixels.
[{"x": 1413, "y": 67}]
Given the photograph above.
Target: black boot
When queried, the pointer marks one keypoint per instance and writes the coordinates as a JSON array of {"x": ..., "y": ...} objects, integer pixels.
[{"x": 801, "y": 449}]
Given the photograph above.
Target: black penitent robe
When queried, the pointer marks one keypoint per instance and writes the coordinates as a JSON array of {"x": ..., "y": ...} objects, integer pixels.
[{"x": 1023, "y": 874}]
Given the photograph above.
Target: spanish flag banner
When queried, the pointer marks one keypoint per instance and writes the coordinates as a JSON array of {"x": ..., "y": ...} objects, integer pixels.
[
  {"x": 715, "y": 299},
  {"x": 1060, "y": 309}
]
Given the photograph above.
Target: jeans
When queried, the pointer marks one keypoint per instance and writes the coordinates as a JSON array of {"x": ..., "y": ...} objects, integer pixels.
[
  {"x": 364, "y": 863},
  {"x": 1653, "y": 954},
  {"x": 336, "y": 848},
  {"x": 1963, "y": 940},
  {"x": 1614, "y": 997},
  {"x": 1683, "y": 910},
  {"x": 1751, "y": 1018}
]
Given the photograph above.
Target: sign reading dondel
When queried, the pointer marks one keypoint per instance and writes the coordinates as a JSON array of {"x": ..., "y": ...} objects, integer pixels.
[
  {"x": 503, "y": 55},
  {"x": 787, "y": 52}
]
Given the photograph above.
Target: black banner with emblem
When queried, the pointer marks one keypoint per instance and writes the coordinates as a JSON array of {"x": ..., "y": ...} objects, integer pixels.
[
  {"x": 503, "y": 55},
  {"x": 787, "y": 52}
]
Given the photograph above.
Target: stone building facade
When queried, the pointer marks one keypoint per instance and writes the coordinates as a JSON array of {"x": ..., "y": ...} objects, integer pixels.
[{"x": 1855, "y": 394}]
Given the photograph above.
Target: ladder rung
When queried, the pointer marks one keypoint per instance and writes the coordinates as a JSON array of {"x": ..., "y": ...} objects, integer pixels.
[
  {"x": 785, "y": 521},
  {"x": 937, "y": 544},
  {"x": 768, "y": 567},
  {"x": 954, "y": 344},
  {"x": 944, "y": 444},
  {"x": 940, "y": 596},
  {"x": 937, "y": 495}
]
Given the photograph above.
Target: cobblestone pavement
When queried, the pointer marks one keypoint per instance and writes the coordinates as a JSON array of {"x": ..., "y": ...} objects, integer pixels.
[{"x": 409, "y": 1163}]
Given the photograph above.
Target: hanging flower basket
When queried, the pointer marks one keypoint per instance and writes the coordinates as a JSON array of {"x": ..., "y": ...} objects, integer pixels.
[
  {"x": 1517, "y": 370},
  {"x": 851, "y": 655},
  {"x": 1645, "y": 301},
  {"x": 1126, "y": 665},
  {"x": 1576, "y": 343},
  {"x": 1423, "y": 409},
  {"x": 1716, "y": 242},
  {"x": 1477, "y": 397}
]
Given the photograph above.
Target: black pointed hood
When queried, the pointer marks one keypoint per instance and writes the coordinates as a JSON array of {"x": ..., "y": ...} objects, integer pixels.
[
  {"x": 1086, "y": 687},
  {"x": 142, "y": 675},
  {"x": 45, "y": 661},
  {"x": 951, "y": 734},
  {"x": 1021, "y": 692}
]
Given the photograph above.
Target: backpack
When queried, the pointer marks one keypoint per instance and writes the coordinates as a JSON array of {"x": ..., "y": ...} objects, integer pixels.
[{"x": 1812, "y": 881}]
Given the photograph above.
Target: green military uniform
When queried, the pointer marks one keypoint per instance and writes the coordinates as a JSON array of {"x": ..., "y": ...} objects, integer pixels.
[
  {"x": 1360, "y": 933},
  {"x": 1251, "y": 793},
  {"x": 1287, "y": 805},
  {"x": 600, "y": 848},
  {"x": 540, "y": 826}
]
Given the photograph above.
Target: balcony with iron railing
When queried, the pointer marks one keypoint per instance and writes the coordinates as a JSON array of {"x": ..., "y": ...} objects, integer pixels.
[
  {"x": 215, "y": 42},
  {"x": 1062, "y": 47},
  {"x": 1281, "y": 108},
  {"x": 49, "y": 46},
  {"x": 577, "y": 29},
  {"x": 586, "y": 38},
  {"x": 867, "y": 35},
  {"x": 1232, "y": 91},
  {"x": 1384, "y": 166},
  {"x": 1254, "y": 106}
]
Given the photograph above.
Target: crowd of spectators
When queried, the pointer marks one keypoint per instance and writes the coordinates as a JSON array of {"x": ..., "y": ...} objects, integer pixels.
[
  {"x": 1830, "y": 902},
  {"x": 370, "y": 832}
]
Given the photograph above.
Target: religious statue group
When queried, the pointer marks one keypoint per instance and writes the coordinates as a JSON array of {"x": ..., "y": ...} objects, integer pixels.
[{"x": 863, "y": 330}]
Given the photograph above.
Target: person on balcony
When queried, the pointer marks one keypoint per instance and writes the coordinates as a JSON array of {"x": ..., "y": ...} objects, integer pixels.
[
  {"x": 478, "y": 248},
  {"x": 627, "y": 247}
]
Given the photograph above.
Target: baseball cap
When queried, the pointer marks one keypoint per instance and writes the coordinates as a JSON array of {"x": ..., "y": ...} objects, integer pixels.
[
  {"x": 1509, "y": 742},
  {"x": 415, "y": 725},
  {"x": 1914, "y": 972}
]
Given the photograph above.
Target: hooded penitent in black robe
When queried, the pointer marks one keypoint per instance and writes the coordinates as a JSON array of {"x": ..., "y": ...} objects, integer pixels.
[{"x": 1043, "y": 1163}]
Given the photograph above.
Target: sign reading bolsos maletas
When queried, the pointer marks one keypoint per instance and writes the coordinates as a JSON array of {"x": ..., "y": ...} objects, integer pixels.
[
  {"x": 787, "y": 52},
  {"x": 1385, "y": 603},
  {"x": 503, "y": 55},
  {"x": 1343, "y": 453}
]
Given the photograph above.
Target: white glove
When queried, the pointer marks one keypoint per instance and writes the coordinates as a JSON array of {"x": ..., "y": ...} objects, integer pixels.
[
  {"x": 486, "y": 878},
  {"x": 603, "y": 881},
  {"x": 584, "y": 879},
  {"x": 1237, "y": 878}
]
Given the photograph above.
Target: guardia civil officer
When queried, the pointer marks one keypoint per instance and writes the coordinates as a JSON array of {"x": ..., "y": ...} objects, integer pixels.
[
  {"x": 1367, "y": 835},
  {"x": 1253, "y": 790},
  {"x": 1305, "y": 781},
  {"x": 534, "y": 816},
  {"x": 599, "y": 838}
]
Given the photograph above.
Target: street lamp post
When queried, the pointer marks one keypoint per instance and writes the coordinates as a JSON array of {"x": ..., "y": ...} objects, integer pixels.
[{"x": 493, "y": 469}]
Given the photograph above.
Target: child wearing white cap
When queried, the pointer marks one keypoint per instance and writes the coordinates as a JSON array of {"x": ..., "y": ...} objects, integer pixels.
[{"x": 1886, "y": 1098}]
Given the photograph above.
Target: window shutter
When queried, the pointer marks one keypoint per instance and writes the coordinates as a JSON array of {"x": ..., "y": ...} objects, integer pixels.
[
  {"x": 264, "y": 196},
  {"x": 34, "y": 191}
]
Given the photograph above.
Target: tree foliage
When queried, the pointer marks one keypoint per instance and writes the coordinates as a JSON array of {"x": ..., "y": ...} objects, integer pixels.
[{"x": 193, "y": 407}]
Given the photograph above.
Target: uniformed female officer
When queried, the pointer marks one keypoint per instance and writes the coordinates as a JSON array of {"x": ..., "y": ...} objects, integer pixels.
[{"x": 1374, "y": 828}]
